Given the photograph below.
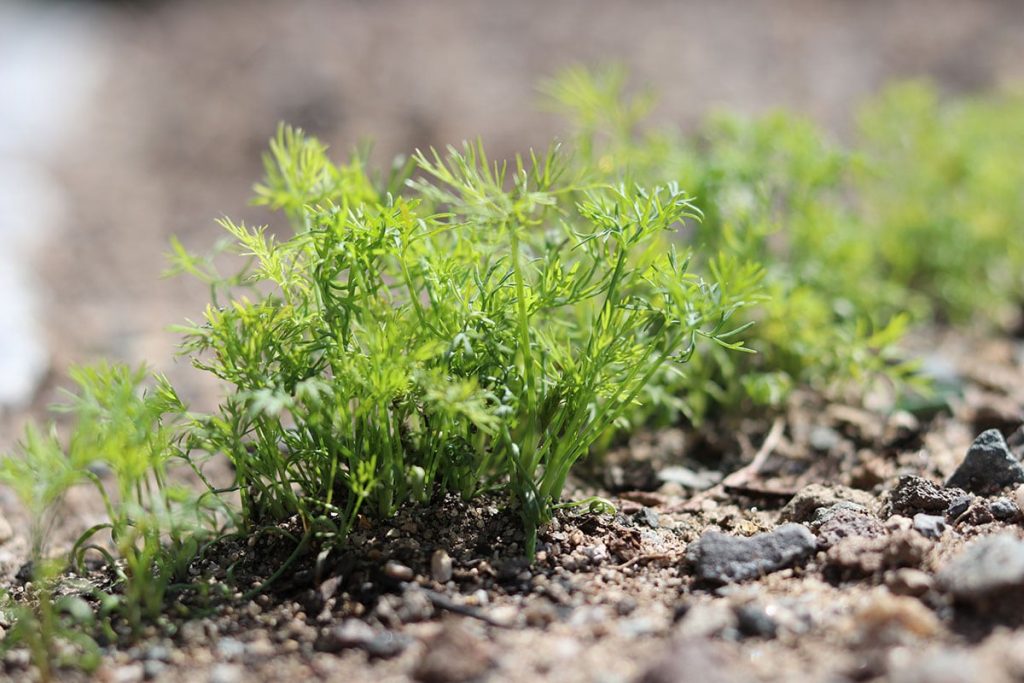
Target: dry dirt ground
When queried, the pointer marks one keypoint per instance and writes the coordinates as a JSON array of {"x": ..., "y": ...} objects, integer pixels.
[{"x": 864, "y": 589}]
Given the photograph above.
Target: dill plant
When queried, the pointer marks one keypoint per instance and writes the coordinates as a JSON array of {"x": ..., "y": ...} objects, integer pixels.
[
  {"x": 122, "y": 440},
  {"x": 476, "y": 332},
  {"x": 774, "y": 192},
  {"x": 940, "y": 197}
]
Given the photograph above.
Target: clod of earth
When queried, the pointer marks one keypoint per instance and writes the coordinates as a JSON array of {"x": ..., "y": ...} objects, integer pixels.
[
  {"x": 856, "y": 556},
  {"x": 719, "y": 558},
  {"x": 988, "y": 467},
  {"x": 803, "y": 506},
  {"x": 844, "y": 520},
  {"x": 913, "y": 494}
]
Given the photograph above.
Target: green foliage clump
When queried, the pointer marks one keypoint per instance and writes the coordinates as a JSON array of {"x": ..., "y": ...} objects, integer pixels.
[
  {"x": 941, "y": 199},
  {"x": 772, "y": 192},
  {"x": 122, "y": 441},
  {"x": 477, "y": 332}
]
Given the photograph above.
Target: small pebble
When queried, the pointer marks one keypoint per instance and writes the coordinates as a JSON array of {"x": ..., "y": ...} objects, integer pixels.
[
  {"x": 398, "y": 571},
  {"x": 441, "y": 566},
  {"x": 1003, "y": 508},
  {"x": 929, "y": 526}
]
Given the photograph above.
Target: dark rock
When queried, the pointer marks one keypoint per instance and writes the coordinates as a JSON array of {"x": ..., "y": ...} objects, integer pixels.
[
  {"x": 844, "y": 520},
  {"x": 929, "y": 526},
  {"x": 988, "y": 467},
  {"x": 1004, "y": 509},
  {"x": 753, "y": 621},
  {"x": 696, "y": 660},
  {"x": 985, "y": 568},
  {"x": 810, "y": 499},
  {"x": 912, "y": 495},
  {"x": 958, "y": 507},
  {"x": 453, "y": 656},
  {"x": 719, "y": 558}
]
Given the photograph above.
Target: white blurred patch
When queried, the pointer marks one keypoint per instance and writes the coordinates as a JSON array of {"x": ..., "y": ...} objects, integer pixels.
[{"x": 50, "y": 63}]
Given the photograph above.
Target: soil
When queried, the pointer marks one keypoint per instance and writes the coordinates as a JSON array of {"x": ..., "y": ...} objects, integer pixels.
[{"x": 879, "y": 581}]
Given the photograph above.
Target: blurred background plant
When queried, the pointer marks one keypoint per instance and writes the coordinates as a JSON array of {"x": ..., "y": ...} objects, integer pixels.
[{"x": 772, "y": 191}]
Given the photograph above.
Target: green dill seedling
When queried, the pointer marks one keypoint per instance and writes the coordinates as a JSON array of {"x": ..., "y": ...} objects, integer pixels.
[
  {"x": 40, "y": 477},
  {"x": 477, "y": 332},
  {"x": 773, "y": 193},
  {"x": 154, "y": 526},
  {"x": 940, "y": 197}
]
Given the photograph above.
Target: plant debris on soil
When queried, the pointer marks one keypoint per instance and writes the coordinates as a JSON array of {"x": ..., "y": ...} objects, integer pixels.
[{"x": 862, "y": 543}]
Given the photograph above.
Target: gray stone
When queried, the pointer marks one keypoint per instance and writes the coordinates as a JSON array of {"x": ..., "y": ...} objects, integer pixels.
[
  {"x": 647, "y": 517},
  {"x": 719, "y": 558},
  {"x": 152, "y": 669},
  {"x": 988, "y": 467},
  {"x": 929, "y": 526},
  {"x": 1003, "y": 509},
  {"x": 986, "y": 567},
  {"x": 958, "y": 507}
]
